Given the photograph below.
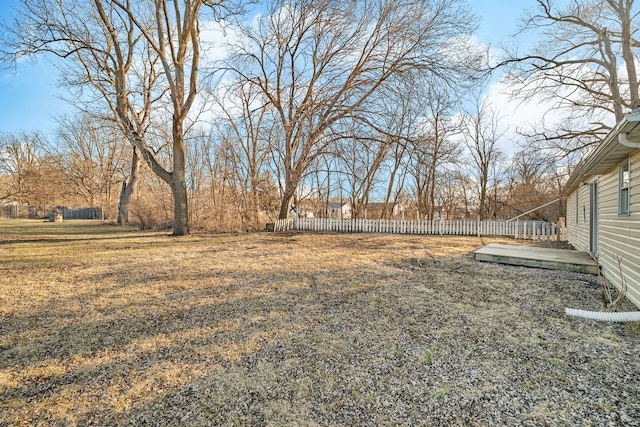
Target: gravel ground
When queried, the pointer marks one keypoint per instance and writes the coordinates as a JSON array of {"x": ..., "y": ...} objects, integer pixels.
[
  {"x": 303, "y": 330},
  {"x": 442, "y": 342}
]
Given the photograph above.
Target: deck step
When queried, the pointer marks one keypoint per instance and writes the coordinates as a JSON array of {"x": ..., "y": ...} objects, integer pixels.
[{"x": 529, "y": 256}]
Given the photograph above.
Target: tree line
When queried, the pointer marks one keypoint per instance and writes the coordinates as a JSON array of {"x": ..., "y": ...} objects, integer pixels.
[{"x": 312, "y": 103}]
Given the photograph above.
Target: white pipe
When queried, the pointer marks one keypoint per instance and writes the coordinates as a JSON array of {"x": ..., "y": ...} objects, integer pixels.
[
  {"x": 534, "y": 209},
  {"x": 622, "y": 139},
  {"x": 629, "y": 316}
]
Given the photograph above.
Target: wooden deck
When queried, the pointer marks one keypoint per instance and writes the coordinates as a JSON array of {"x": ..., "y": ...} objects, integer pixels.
[{"x": 556, "y": 259}]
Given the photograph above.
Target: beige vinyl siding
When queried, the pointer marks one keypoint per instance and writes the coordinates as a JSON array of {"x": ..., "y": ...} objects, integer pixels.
[
  {"x": 579, "y": 232},
  {"x": 619, "y": 235},
  {"x": 634, "y": 190},
  {"x": 571, "y": 217},
  {"x": 570, "y": 220}
]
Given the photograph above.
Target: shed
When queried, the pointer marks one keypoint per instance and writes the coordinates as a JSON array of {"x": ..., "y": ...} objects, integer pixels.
[{"x": 603, "y": 205}]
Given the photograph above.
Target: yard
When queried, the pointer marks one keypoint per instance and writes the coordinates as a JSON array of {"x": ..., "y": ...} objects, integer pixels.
[{"x": 100, "y": 326}]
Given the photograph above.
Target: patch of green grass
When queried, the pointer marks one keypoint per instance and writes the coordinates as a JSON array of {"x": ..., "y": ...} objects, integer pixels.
[
  {"x": 634, "y": 327},
  {"x": 442, "y": 392},
  {"x": 469, "y": 352},
  {"x": 427, "y": 357},
  {"x": 398, "y": 352}
]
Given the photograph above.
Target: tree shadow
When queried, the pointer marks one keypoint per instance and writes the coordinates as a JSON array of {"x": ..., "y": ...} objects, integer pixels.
[{"x": 136, "y": 350}]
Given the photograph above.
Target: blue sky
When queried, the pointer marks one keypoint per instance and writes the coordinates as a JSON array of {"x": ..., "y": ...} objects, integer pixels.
[
  {"x": 499, "y": 18},
  {"x": 28, "y": 95}
]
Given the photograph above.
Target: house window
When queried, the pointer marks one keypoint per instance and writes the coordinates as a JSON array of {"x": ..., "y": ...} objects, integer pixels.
[{"x": 623, "y": 192}]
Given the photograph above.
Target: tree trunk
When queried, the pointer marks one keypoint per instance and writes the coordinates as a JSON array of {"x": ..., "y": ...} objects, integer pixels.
[
  {"x": 285, "y": 202},
  {"x": 387, "y": 198},
  {"x": 128, "y": 186},
  {"x": 624, "y": 11},
  {"x": 180, "y": 210},
  {"x": 483, "y": 200},
  {"x": 178, "y": 181},
  {"x": 613, "y": 80},
  {"x": 254, "y": 196},
  {"x": 431, "y": 188},
  {"x": 254, "y": 205},
  {"x": 292, "y": 179}
]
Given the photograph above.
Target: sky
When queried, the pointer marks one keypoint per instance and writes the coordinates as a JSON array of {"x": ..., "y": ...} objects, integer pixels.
[{"x": 29, "y": 94}]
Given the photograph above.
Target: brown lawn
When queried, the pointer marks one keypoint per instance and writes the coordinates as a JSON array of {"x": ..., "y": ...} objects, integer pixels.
[{"x": 105, "y": 326}]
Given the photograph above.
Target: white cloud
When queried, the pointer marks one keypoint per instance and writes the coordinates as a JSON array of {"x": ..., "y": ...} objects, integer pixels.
[
  {"x": 520, "y": 115},
  {"x": 216, "y": 39}
]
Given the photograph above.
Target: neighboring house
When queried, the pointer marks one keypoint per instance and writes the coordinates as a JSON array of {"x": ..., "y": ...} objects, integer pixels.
[
  {"x": 603, "y": 205},
  {"x": 339, "y": 210}
]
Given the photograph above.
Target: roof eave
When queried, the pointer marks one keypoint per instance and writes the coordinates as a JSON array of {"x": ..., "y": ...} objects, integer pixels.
[{"x": 609, "y": 152}]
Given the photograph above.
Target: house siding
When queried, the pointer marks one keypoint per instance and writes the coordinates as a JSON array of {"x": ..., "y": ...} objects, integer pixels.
[
  {"x": 619, "y": 235},
  {"x": 572, "y": 227},
  {"x": 579, "y": 231}
]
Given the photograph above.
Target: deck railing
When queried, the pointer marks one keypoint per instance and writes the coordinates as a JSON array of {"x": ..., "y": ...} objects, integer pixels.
[{"x": 530, "y": 230}]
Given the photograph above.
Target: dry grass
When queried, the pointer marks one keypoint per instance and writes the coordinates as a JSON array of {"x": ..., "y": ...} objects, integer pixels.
[{"x": 103, "y": 326}]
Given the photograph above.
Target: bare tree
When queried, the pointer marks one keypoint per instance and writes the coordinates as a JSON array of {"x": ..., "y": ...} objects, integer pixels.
[
  {"x": 33, "y": 173},
  {"x": 533, "y": 180},
  {"x": 101, "y": 51},
  {"x": 400, "y": 114},
  {"x": 481, "y": 134},
  {"x": 319, "y": 63},
  {"x": 452, "y": 194},
  {"x": 584, "y": 62},
  {"x": 360, "y": 159},
  {"x": 433, "y": 149},
  {"x": 93, "y": 159},
  {"x": 138, "y": 56},
  {"x": 397, "y": 173},
  {"x": 244, "y": 127}
]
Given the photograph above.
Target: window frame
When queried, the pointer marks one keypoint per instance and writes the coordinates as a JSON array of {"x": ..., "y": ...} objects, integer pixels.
[{"x": 624, "y": 184}]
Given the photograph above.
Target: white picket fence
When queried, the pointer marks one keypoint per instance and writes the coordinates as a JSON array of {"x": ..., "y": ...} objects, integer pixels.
[{"x": 530, "y": 230}]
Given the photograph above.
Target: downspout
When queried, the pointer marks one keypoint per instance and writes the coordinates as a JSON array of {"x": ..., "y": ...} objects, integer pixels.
[{"x": 622, "y": 139}]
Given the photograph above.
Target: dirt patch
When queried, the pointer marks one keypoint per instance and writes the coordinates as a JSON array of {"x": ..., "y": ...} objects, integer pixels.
[{"x": 301, "y": 329}]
